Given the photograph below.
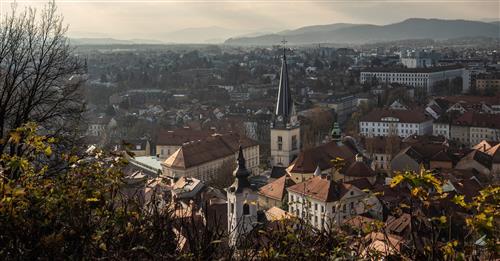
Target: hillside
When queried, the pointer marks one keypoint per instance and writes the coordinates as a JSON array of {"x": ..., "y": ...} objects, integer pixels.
[{"x": 414, "y": 28}]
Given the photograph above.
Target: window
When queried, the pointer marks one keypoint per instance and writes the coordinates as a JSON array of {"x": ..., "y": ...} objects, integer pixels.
[
  {"x": 294, "y": 142},
  {"x": 280, "y": 143},
  {"x": 344, "y": 208},
  {"x": 246, "y": 209},
  {"x": 232, "y": 208}
]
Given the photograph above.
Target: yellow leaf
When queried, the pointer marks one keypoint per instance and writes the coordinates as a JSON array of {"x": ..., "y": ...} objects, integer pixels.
[
  {"x": 19, "y": 192},
  {"x": 396, "y": 180},
  {"x": 15, "y": 137},
  {"x": 48, "y": 151}
]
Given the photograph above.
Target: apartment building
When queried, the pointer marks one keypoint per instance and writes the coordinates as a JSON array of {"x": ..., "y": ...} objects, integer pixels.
[
  {"x": 424, "y": 78},
  {"x": 402, "y": 123}
]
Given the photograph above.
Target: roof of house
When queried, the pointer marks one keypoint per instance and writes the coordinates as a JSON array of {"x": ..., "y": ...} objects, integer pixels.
[
  {"x": 471, "y": 99},
  {"x": 277, "y": 172},
  {"x": 207, "y": 150},
  {"x": 404, "y": 116},
  {"x": 478, "y": 156},
  {"x": 379, "y": 144},
  {"x": 361, "y": 183},
  {"x": 180, "y": 136},
  {"x": 494, "y": 152},
  {"x": 308, "y": 160},
  {"x": 277, "y": 189},
  {"x": 136, "y": 144},
  {"x": 359, "y": 169},
  {"x": 360, "y": 222},
  {"x": 275, "y": 214},
  {"x": 321, "y": 188},
  {"x": 485, "y": 145},
  {"x": 442, "y": 156},
  {"x": 413, "y": 70},
  {"x": 475, "y": 119},
  {"x": 397, "y": 224}
]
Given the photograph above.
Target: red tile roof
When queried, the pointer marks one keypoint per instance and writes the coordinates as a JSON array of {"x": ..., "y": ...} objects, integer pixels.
[
  {"x": 321, "y": 188},
  {"x": 478, "y": 120},
  {"x": 210, "y": 149},
  {"x": 277, "y": 189}
]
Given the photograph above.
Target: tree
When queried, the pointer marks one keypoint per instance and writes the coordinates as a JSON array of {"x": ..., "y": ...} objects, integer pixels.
[
  {"x": 39, "y": 75},
  {"x": 80, "y": 213}
]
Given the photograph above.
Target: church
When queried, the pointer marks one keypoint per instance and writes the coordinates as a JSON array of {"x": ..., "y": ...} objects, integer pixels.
[{"x": 335, "y": 169}]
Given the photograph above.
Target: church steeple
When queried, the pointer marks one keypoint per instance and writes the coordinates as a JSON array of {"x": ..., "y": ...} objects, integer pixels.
[
  {"x": 242, "y": 199},
  {"x": 241, "y": 174},
  {"x": 285, "y": 128},
  {"x": 284, "y": 103}
]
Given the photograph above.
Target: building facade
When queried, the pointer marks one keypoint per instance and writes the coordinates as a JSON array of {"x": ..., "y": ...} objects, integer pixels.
[
  {"x": 402, "y": 123},
  {"x": 423, "y": 78}
]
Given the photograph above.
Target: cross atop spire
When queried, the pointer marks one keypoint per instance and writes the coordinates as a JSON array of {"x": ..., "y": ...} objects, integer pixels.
[{"x": 284, "y": 41}]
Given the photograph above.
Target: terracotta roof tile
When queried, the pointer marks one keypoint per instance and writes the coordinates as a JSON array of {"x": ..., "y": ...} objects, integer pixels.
[
  {"x": 277, "y": 189},
  {"x": 210, "y": 149},
  {"x": 321, "y": 188}
]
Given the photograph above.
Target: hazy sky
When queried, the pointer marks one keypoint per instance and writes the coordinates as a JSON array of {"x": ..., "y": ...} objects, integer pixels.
[{"x": 153, "y": 19}]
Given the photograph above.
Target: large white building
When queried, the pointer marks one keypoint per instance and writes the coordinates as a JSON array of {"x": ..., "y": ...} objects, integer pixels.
[
  {"x": 402, "y": 123},
  {"x": 324, "y": 203},
  {"x": 416, "y": 77}
]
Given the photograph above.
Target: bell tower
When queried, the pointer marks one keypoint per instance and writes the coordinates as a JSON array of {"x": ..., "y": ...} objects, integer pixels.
[
  {"x": 242, "y": 201},
  {"x": 285, "y": 128}
]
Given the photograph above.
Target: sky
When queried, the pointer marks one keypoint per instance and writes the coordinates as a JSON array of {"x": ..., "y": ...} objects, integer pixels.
[{"x": 156, "y": 19}]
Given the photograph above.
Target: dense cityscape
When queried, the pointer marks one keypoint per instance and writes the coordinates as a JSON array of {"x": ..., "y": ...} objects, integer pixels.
[{"x": 383, "y": 150}]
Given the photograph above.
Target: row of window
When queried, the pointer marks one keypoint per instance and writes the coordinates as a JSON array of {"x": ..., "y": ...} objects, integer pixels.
[{"x": 383, "y": 124}]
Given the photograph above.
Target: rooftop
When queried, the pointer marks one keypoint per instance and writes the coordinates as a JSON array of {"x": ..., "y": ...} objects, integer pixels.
[
  {"x": 207, "y": 150},
  {"x": 404, "y": 116},
  {"x": 413, "y": 70}
]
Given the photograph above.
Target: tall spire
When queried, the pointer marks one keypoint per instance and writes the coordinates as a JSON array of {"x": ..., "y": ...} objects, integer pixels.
[{"x": 284, "y": 103}]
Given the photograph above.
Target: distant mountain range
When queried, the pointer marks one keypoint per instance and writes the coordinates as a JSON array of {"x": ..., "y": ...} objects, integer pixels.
[
  {"x": 414, "y": 28},
  {"x": 342, "y": 33},
  {"x": 196, "y": 35},
  {"x": 110, "y": 41}
]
